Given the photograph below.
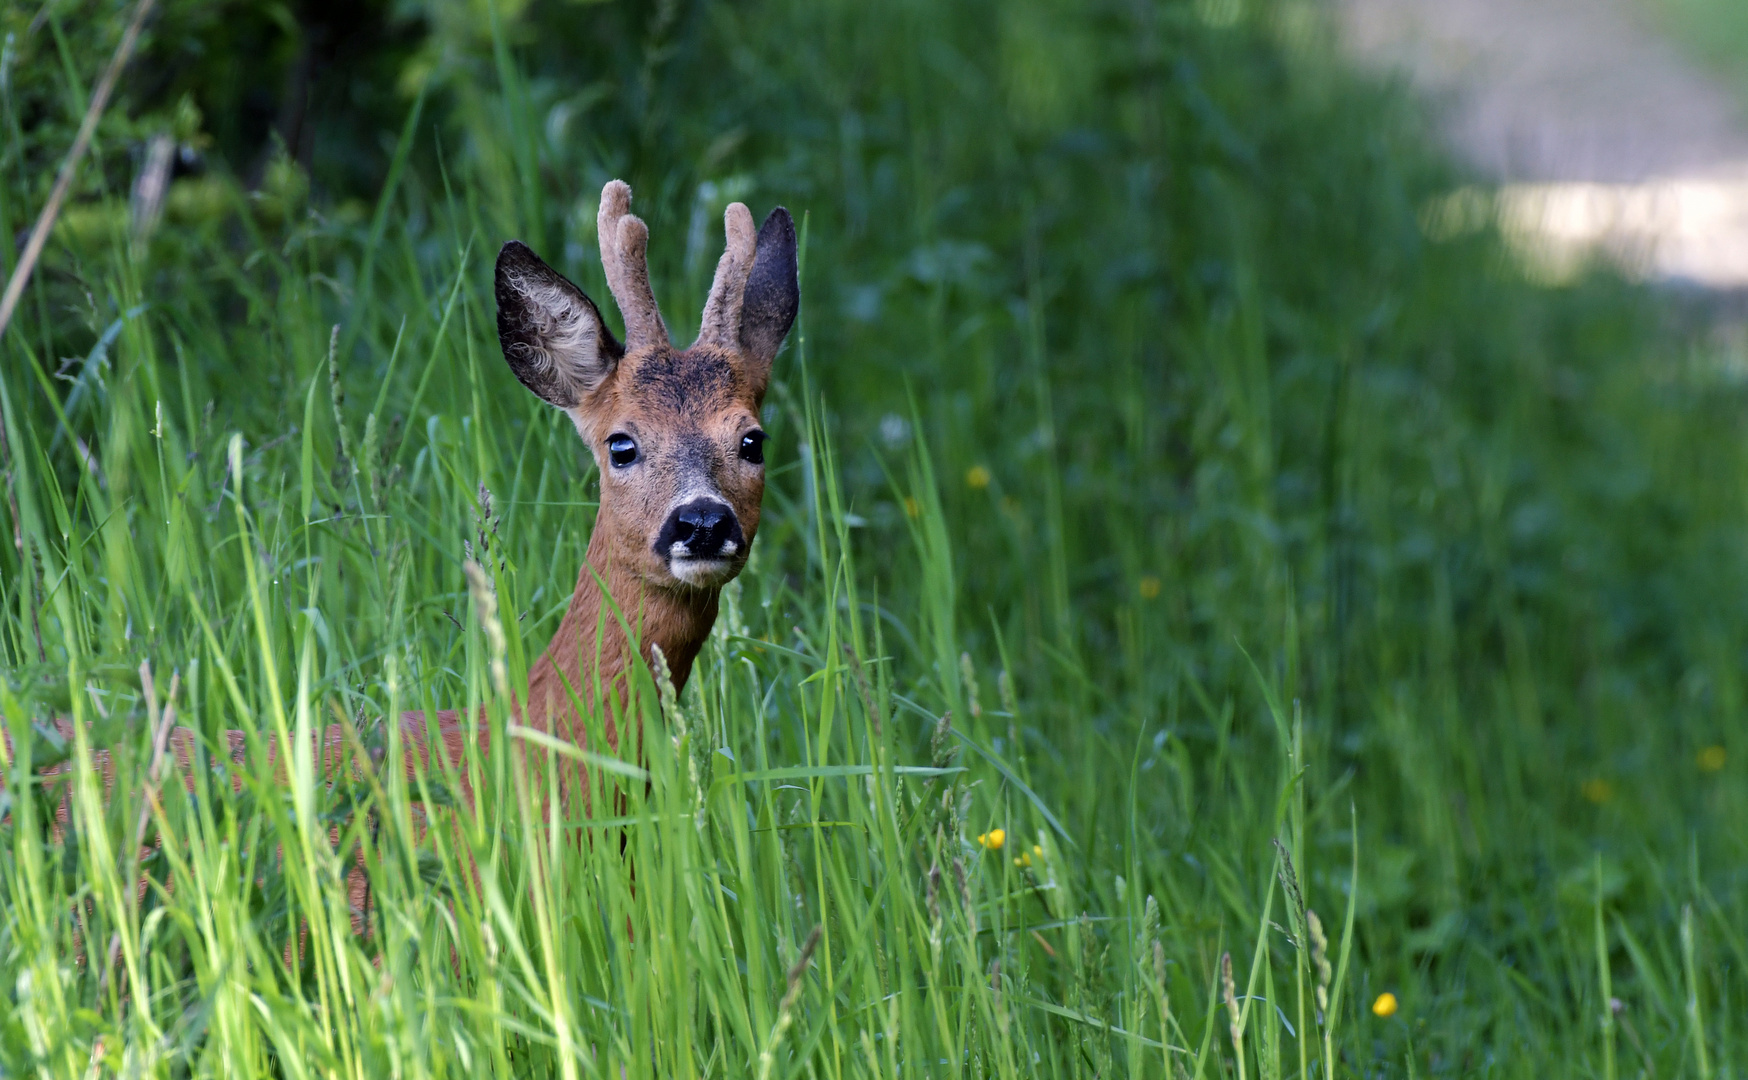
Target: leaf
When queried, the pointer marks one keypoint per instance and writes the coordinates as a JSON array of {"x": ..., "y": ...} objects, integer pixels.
[
  {"x": 576, "y": 753},
  {"x": 809, "y": 772}
]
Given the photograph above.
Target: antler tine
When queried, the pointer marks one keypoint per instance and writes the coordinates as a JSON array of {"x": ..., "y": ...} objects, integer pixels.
[
  {"x": 721, "y": 323},
  {"x": 624, "y": 255}
]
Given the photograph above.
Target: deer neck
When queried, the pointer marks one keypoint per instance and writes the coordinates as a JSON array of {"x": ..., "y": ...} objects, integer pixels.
[{"x": 589, "y": 655}]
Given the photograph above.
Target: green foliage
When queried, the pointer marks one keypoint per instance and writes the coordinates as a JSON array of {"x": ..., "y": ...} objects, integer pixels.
[
  {"x": 1714, "y": 30},
  {"x": 1270, "y": 558}
]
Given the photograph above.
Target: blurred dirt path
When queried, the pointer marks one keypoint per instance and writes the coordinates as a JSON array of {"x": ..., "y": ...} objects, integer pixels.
[
  {"x": 1556, "y": 90},
  {"x": 1603, "y": 136}
]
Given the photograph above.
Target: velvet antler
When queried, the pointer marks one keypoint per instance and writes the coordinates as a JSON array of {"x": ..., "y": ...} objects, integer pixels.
[
  {"x": 721, "y": 323},
  {"x": 624, "y": 255}
]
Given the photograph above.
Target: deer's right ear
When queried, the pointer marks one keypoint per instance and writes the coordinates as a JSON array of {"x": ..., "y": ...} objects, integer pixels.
[{"x": 552, "y": 334}]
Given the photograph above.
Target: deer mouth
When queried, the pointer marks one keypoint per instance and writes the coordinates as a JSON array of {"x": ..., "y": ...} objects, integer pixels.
[{"x": 703, "y": 571}]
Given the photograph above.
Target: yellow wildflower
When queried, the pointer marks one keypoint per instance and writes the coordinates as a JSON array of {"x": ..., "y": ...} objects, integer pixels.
[
  {"x": 977, "y": 477},
  {"x": 1711, "y": 759},
  {"x": 1598, "y": 790},
  {"x": 1148, "y": 587},
  {"x": 993, "y": 839},
  {"x": 1385, "y": 1006}
]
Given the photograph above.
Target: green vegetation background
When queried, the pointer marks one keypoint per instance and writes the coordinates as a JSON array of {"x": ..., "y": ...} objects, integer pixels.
[
  {"x": 1715, "y": 31},
  {"x": 1132, "y": 419}
]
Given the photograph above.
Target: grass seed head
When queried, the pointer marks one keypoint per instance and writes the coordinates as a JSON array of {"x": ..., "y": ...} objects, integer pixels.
[
  {"x": 965, "y": 895},
  {"x": 1290, "y": 882},
  {"x": 968, "y": 674},
  {"x": 337, "y": 398},
  {"x": 942, "y": 751},
  {"x": 1229, "y": 994},
  {"x": 1319, "y": 960},
  {"x": 485, "y": 603}
]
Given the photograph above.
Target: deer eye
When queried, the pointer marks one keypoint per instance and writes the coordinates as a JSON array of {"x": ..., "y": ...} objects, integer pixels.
[
  {"x": 752, "y": 447},
  {"x": 621, "y": 450}
]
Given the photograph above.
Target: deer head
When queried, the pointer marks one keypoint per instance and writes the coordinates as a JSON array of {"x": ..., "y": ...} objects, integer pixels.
[
  {"x": 676, "y": 436},
  {"x": 675, "y": 432}
]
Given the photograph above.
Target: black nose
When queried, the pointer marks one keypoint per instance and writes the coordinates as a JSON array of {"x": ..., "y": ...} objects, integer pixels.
[{"x": 707, "y": 528}]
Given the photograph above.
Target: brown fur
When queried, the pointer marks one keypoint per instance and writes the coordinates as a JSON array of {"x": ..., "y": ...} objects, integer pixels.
[{"x": 688, "y": 411}]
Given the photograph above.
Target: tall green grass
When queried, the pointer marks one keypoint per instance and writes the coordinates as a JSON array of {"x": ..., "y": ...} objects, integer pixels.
[
  {"x": 778, "y": 882},
  {"x": 1268, "y": 558}
]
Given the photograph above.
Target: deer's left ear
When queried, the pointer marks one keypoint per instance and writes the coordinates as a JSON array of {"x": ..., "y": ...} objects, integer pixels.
[
  {"x": 773, "y": 294},
  {"x": 552, "y": 334}
]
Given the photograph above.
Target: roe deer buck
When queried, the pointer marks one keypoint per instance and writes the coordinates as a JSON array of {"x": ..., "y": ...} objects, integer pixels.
[{"x": 677, "y": 442}]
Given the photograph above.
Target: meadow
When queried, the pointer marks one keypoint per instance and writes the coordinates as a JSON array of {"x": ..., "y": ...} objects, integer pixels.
[{"x": 1209, "y": 620}]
